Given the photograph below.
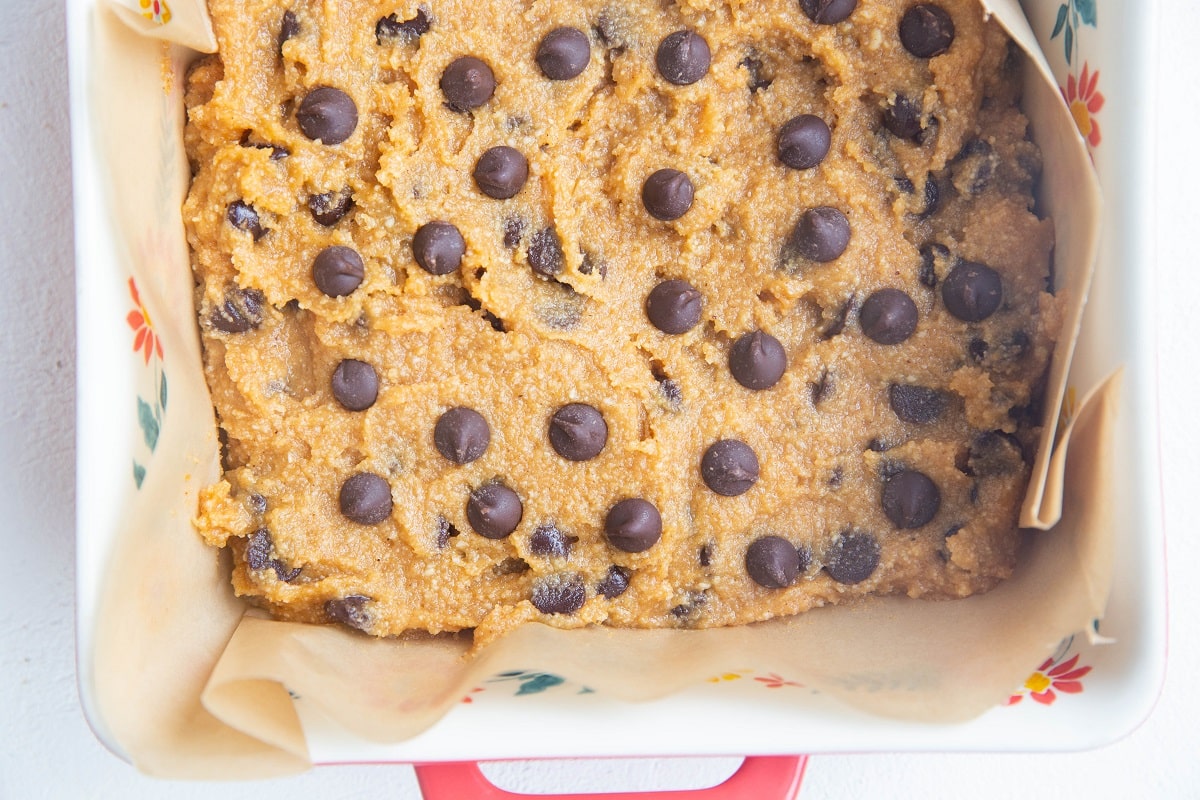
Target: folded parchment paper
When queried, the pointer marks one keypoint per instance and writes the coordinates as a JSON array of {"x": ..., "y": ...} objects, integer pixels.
[{"x": 190, "y": 685}]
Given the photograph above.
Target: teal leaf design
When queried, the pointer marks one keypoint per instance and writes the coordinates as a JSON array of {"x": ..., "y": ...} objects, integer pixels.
[
  {"x": 539, "y": 682},
  {"x": 586, "y": 690},
  {"x": 1068, "y": 43},
  {"x": 148, "y": 424},
  {"x": 504, "y": 676},
  {"x": 1062, "y": 20},
  {"x": 1087, "y": 11},
  {"x": 162, "y": 391},
  {"x": 139, "y": 474}
]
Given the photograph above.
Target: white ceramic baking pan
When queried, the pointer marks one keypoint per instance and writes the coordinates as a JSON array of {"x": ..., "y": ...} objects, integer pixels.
[{"x": 1093, "y": 690}]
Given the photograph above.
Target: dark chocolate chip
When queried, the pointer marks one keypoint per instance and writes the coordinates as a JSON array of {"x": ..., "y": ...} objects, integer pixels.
[
  {"x": 327, "y": 115},
  {"x": 350, "y": 610},
  {"x": 683, "y": 57},
  {"x": 759, "y": 79},
  {"x": 289, "y": 26},
  {"x": 511, "y": 566},
  {"x": 501, "y": 172},
  {"x": 972, "y": 292},
  {"x": 614, "y": 583},
  {"x": 878, "y": 445},
  {"x": 494, "y": 510},
  {"x": 904, "y": 184},
  {"x": 256, "y": 503},
  {"x": 932, "y": 255},
  {"x": 337, "y": 270},
  {"x": 258, "y": 549},
  {"x": 514, "y": 229},
  {"x": 828, "y": 12},
  {"x": 853, "y": 556},
  {"x": 563, "y": 54},
  {"x": 889, "y": 316},
  {"x": 242, "y": 216},
  {"x": 903, "y": 118},
  {"x": 241, "y": 311},
  {"x": 838, "y": 323},
  {"x": 671, "y": 391},
  {"x": 462, "y": 435},
  {"x": 836, "y": 477},
  {"x": 674, "y": 306},
  {"x": 821, "y": 234},
  {"x": 926, "y": 30},
  {"x": 773, "y": 562},
  {"x": 546, "y": 253},
  {"x": 559, "y": 594},
  {"x": 355, "y": 385},
  {"x": 729, "y": 467},
  {"x": 467, "y": 83},
  {"x": 365, "y": 498},
  {"x": 547, "y": 540},
  {"x": 977, "y": 349},
  {"x": 691, "y": 607},
  {"x": 391, "y": 29},
  {"x": 706, "y": 555},
  {"x": 972, "y": 169},
  {"x": 438, "y": 247},
  {"x": 328, "y": 209},
  {"x": 633, "y": 525},
  {"x": 443, "y": 532},
  {"x": 910, "y": 499},
  {"x": 933, "y": 197},
  {"x": 995, "y": 453},
  {"x": 667, "y": 194},
  {"x": 757, "y": 360},
  {"x": 916, "y": 404},
  {"x": 803, "y": 141},
  {"x": 578, "y": 432},
  {"x": 822, "y": 389}
]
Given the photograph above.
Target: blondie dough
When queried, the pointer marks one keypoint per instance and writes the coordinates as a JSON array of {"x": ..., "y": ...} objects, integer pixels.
[{"x": 614, "y": 311}]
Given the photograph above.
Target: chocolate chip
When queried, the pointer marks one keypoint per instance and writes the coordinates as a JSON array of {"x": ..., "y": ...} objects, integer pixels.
[
  {"x": 706, "y": 554},
  {"x": 995, "y": 453},
  {"x": 467, "y": 83},
  {"x": 973, "y": 167},
  {"x": 916, "y": 404},
  {"x": 822, "y": 388},
  {"x": 903, "y": 118},
  {"x": 671, "y": 391},
  {"x": 933, "y": 256},
  {"x": 633, "y": 525},
  {"x": 614, "y": 583},
  {"x": 547, "y": 540},
  {"x": 667, "y": 194},
  {"x": 256, "y": 503},
  {"x": 282, "y": 573},
  {"x": 926, "y": 30},
  {"x": 827, "y": 12},
  {"x": 878, "y": 445},
  {"x": 546, "y": 253},
  {"x": 836, "y": 477},
  {"x": 461, "y": 435},
  {"x": 355, "y": 385},
  {"x": 822, "y": 234},
  {"x": 977, "y": 349},
  {"x": 910, "y": 499},
  {"x": 773, "y": 562},
  {"x": 838, "y": 323},
  {"x": 563, "y": 54},
  {"x": 258, "y": 549},
  {"x": 514, "y": 229},
  {"x": 392, "y": 29},
  {"x": 365, "y": 498},
  {"x": 327, "y": 115},
  {"x": 578, "y": 432},
  {"x": 242, "y": 216},
  {"x": 350, "y": 610},
  {"x": 729, "y": 467},
  {"x": 933, "y": 197},
  {"x": 337, "y": 270},
  {"x": 803, "y": 141},
  {"x": 691, "y": 607},
  {"x": 494, "y": 510},
  {"x": 511, "y": 566},
  {"x": 683, "y": 57},
  {"x": 559, "y": 594},
  {"x": 443, "y": 532},
  {"x": 757, "y": 360},
  {"x": 972, "y": 291},
  {"x": 853, "y": 556},
  {"x": 328, "y": 209},
  {"x": 674, "y": 306},
  {"x": 289, "y": 26},
  {"x": 241, "y": 311},
  {"x": 760, "y": 79},
  {"x": 438, "y": 247},
  {"x": 501, "y": 172},
  {"x": 889, "y": 316}
]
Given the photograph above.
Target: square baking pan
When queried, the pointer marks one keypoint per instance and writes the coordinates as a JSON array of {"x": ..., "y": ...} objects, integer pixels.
[{"x": 1096, "y": 687}]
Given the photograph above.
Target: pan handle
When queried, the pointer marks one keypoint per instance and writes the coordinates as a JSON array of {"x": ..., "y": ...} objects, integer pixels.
[{"x": 760, "y": 777}]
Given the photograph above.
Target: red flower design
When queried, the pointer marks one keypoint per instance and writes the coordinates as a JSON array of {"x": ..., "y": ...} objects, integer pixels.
[
  {"x": 1084, "y": 102},
  {"x": 144, "y": 337},
  {"x": 468, "y": 698},
  {"x": 1063, "y": 676},
  {"x": 773, "y": 681}
]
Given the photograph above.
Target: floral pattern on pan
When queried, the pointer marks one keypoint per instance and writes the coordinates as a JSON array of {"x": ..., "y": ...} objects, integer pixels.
[
  {"x": 148, "y": 344},
  {"x": 1060, "y": 673}
]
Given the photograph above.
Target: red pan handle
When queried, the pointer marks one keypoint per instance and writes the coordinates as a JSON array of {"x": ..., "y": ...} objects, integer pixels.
[{"x": 760, "y": 777}]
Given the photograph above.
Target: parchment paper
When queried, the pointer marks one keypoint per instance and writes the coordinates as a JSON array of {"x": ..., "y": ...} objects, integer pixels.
[{"x": 192, "y": 685}]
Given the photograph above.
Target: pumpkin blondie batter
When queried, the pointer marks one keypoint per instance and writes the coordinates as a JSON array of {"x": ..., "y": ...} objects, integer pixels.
[{"x": 614, "y": 311}]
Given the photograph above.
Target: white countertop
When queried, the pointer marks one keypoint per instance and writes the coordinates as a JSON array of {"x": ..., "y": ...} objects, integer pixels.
[{"x": 46, "y": 748}]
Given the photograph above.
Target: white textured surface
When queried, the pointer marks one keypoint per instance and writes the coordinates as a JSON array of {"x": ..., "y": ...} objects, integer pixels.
[{"x": 46, "y": 749}]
